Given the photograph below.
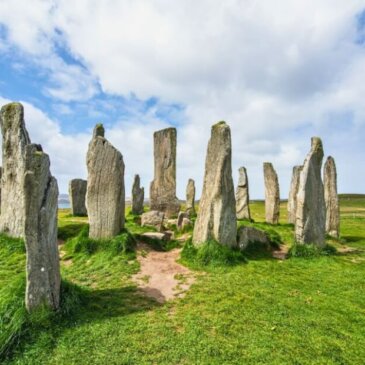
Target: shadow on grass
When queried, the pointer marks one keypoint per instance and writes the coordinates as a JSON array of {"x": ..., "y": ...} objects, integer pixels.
[
  {"x": 353, "y": 239},
  {"x": 70, "y": 230}
]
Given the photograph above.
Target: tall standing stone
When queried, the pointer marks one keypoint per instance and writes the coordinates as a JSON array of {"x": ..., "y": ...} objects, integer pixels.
[
  {"x": 311, "y": 210},
  {"x": 272, "y": 194},
  {"x": 217, "y": 209},
  {"x": 190, "y": 197},
  {"x": 15, "y": 138},
  {"x": 242, "y": 195},
  {"x": 137, "y": 196},
  {"x": 1, "y": 176},
  {"x": 77, "y": 194},
  {"x": 292, "y": 201},
  {"x": 163, "y": 187},
  {"x": 331, "y": 198},
  {"x": 105, "y": 187},
  {"x": 40, "y": 233}
]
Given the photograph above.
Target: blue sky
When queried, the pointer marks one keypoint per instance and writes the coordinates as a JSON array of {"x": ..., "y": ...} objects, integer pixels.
[{"x": 144, "y": 65}]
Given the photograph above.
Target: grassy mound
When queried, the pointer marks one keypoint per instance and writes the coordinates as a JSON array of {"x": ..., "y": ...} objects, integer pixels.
[{"x": 311, "y": 250}]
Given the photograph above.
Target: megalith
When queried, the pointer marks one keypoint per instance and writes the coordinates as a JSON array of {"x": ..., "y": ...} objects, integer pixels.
[
  {"x": 15, "y": 138},
  {"x": 40, "y": 231},
  {"x": 292, "y": 200},
  {"x": 137, "y": 196},
  {"x": 242, "y": 195},
  {"x": 272, "y": 194},
  {"x": 331, "y": 198},
  {"x": 216, "y": 218},
  {"x": 105, "y": 196},
  {"x": 77, "y": 194},
  {"x": 310, "y": 224},
  {"x": 163, "y": 187},
  {"x": 190, "y": 197}
]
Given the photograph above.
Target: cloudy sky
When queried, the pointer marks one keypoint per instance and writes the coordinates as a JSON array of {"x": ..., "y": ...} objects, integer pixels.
[{"x": 278, "y": 72}]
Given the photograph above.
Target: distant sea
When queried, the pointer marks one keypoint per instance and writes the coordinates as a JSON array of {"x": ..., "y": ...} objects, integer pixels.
[{"x": 64, "y": 205}]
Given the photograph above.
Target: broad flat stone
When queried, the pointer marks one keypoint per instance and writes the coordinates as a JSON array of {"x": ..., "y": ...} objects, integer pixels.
[
  {"x": 163, "y": 187},
  {"x": 310, "y": 224},
  {"x": 77, "y": 194},
  {"x": 247, "y": 235},
  {"x": 153, "y": 218},
  {"x": 216, "y": 218},
  {"x": 105, "y": 197},
  {"x": 272, "y": 194}
]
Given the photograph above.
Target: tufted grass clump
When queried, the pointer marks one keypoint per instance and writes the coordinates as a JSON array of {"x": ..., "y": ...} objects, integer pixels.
[
  {"x": 311, "y": 250},
  {"x": 210, "y": 254}
]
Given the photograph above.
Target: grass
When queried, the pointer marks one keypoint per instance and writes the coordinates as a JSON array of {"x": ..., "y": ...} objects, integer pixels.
[{"x": 304, "y": 310}]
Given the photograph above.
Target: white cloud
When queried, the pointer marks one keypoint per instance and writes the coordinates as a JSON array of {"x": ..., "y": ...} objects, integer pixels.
[{"x": 277, "y": 72}]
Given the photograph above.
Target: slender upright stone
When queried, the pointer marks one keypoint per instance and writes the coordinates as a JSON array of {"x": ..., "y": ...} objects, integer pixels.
[
  {"x": 292, "y": 201},
  {"x": 163, "y": 187},
  {"x": 105, "y": 196},
  {"x": 190, "y": 197},
  {"x": 137, "y": 196},
  {"x": 1, "y": 176},
  {"x": 272, "y": 194},
  {"x": 40, "y": 233},
  {"x": 77, "y": 194},
  {"x": 242, "y": 196},
  {"x": 311, "y": 209},
  {"x": 15, "y": 138},
  {"x": 331, "y": 198},
  {"x": 217, "y": 209}
]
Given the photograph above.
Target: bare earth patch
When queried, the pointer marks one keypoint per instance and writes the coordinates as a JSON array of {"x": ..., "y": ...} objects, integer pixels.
[
  {"x": 281, "y": 253},
  {"x": 161, "y": 277}
]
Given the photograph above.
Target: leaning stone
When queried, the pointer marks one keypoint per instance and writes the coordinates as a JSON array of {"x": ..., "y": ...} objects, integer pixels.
[
  {"x": 331, "y": 198},
  {"x": 190, "y": 197},
  {"x": 77, "y": 193},
  {"x": 310, "y": 224},
  {"x": 163, "y": 187},
  {"x": 272, "y": 194},
  {"x": 137, "y": 196},
  {"x": 217, "y": 209},
  {"x": 242, "y": 196},
  {"x": 15, "y": 138},
  {"x": 247, "y": 235},
  {"x": 292, "y": 201},
  {"x": 153, "y": 218},
  {"x": 41, "y": 200},
  {"x": 105, "y": 197}
]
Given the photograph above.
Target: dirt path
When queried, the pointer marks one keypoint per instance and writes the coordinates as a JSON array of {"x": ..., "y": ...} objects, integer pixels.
[{"x": 161, "y": 277}]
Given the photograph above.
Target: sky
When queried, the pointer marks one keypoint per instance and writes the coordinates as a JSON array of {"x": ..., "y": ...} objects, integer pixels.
[{"x": 276, "y": 72}]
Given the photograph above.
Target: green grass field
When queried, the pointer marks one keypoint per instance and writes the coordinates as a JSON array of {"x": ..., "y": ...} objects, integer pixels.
[{"x": 262, "y": 311}]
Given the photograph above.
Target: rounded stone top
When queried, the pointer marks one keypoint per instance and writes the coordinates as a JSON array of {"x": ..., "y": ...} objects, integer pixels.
[
  {"x": 317, "y": 144},
  {"x": 99, "y": 130}
]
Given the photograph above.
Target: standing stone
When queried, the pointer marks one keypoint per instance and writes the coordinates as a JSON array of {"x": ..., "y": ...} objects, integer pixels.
[
  {"x": 40, "y": 233},
  {"x": 311, "y": 210},
  {"x": 331, "y": 198},
  {"x": 190, "y": 197},
  {"x": 15, "y": 138},
  {"x": 105, "y": 187},
  {"x": 242, "y": 196},
  {"x": 217, "y": 210},
  {"x": 272, "y": 194},
  {"x": 137, "y": 196},
  {"x": 292, "y": 201},
  {"x": 163, "y": 187},
  {"x": 1, "y": 176},
  {"x": 77, "y": 193}
]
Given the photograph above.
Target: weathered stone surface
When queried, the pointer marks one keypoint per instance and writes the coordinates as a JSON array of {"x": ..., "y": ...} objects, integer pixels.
[
  {"x": 331, "y": 198},
  {"x": 217, "y": 209},
  {"x": 77, "y": 194},
  {"x": 162, "y": 236},
  {"x": 186, "y": 222},
  {"x": 105, "y": 197},
  {"x": 292, "y": 201},
  {"x": 153, "y": 218},
  {"x": 272, "y": 194},
  {"x": 15, "y": 138},
  {"x": 163, "y": 187},
  {"x": 1, "y": 175},
  {"x": 137, "y": 196},
  {"x": 180, "y": 218},
  {"x": 310, "y": 222},
  {"x": 247, "y": 235},
  {"x": 242, "y": 196},
  {"x": 40, "y": 231},
  {"x": 190, "y": 197}
]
